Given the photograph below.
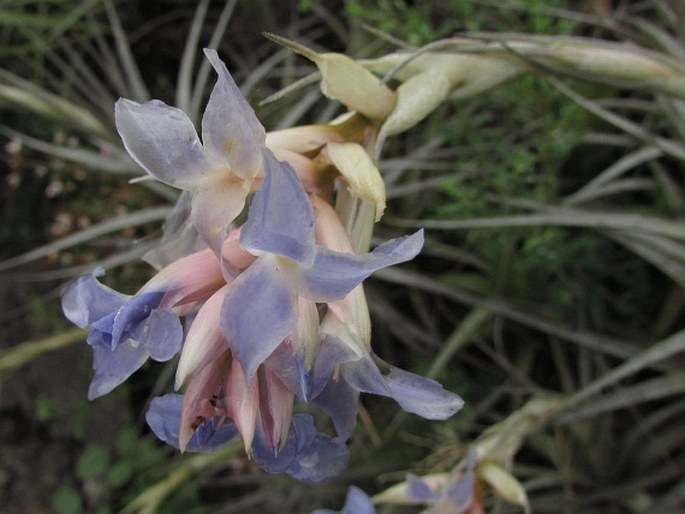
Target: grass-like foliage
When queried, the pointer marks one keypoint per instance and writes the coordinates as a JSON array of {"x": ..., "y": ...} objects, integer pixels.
[{"x": 550, "y": 293}]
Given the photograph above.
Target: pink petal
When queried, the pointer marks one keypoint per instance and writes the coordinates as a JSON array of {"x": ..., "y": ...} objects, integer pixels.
[
  {"x": 233, "y": 254},
  {"x": 330, "y": 232},
  {"x": 205, "y": 341},
  {"x": 188, "y": 280},
  {"x": 276, "y": 407},
  {"x": 201, "y": 398},
  {"x": 242, "y": 401}
]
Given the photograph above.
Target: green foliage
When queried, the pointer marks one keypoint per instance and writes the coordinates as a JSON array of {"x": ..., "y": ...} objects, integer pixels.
[
  {"x": 115, "y": 474},
  {"x": 93, "y": 462},
  {"x": 413, "y": 23},
  {"x": 140, "y": 461},
  {"x": 45, "y": 408},
  {"x": 67, "y": 500},
  {"x": 420, "y": 23},
  {"x": 524, "y": 140}
]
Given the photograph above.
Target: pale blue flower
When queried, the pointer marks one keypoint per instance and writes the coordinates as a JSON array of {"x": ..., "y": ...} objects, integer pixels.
[
  {"x": 260, "y": 309},
  {"x": 307, "y": 455},
  {"x": 217, "y": 171},
  {"x": 338, "y": 396},
  {"x": 456, "y": 497},
  {"x": 124, "y": 330},
  {"x": 163, "y": 417}
]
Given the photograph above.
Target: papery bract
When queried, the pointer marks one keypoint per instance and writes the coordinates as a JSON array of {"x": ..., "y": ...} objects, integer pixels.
[
  {"x": 204, "y": 342},
  {"x": 201, "y": 399},
  {"x": 242, "y": 401},
  {"x": 276, "y": 408},
  {"x": 360, "y": 173}
]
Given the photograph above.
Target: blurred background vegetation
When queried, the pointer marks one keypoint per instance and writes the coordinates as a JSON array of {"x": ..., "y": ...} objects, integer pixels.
[{"x": 554, "y": 266}]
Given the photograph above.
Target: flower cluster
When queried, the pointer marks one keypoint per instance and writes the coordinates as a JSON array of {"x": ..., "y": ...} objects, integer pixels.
[{"x": 273, "y": 309}]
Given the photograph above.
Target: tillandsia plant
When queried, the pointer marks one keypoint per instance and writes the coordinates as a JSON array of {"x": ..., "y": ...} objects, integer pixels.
[
  {"x": 274, "y": 307},
  {"x": 260, "y": 267},
  {"x": 553, "y": 286}
]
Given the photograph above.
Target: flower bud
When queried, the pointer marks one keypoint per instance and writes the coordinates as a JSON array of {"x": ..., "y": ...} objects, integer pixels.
[
  {"x": 362, "y": 175},
  {"x": 347, "y": 81}
]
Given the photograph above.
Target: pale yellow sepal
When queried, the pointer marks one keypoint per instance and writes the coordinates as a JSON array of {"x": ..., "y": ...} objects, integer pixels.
[
  {"x": 302, "y": 139},
  {"x": 361, "y": 173},
  {"x": 504, "y": 484},
  {"x": 346, "y": 81},
  {"x": 469, "y": 74},
  {"x": 416, "y": 98}
]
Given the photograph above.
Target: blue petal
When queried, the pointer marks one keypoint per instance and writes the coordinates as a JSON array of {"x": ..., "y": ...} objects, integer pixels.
[
  {"x": 422, "y": 396},
  {"x": 335, "y": 274},
  {"x": 163, "y": 141},
  {"x": 164, "y": 415},
  {"x": 304, "y": 431},
  {"x": 281, "y": 218},
  {"x": 113, "y": 367},
  {"x": 269, "y": 460},
  {"x": 289, "y": 367},
  {"x": 259, "y": 312},
  {"x": 460, "y": 494},
  {"x": 101, "y": 332},
  {"x": 163, "y": 335},
  {"x": 364, "y": 375},
  {"x": 308, "y": 455},
  {"x": 86, "y": 300},
  {"x": 211, "y": 435},
  {"x": 288, "y": 363},
  {"x": 340, "y": 401},
  {"x": 419, "y": 491},
  {"x": 331, "y": 353},
  {"x": 356, "y": 502},
  {"x": 324, "y": 459},
  {"x": 414, "y": 393},
  {"x": 230, "y": 128},
  {"x": 214, "y": 207},
  {"x": 131, "y": 314}
]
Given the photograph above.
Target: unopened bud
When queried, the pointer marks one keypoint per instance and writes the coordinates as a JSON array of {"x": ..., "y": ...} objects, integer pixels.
[
  {"x": 347, "y": 81},
  {"x": 360, "y": 172}
]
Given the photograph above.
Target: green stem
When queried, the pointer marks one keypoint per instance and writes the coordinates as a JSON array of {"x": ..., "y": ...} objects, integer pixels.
[
  {"x": 149, "y": 500},
  {"x": 27, "y": 351}
]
